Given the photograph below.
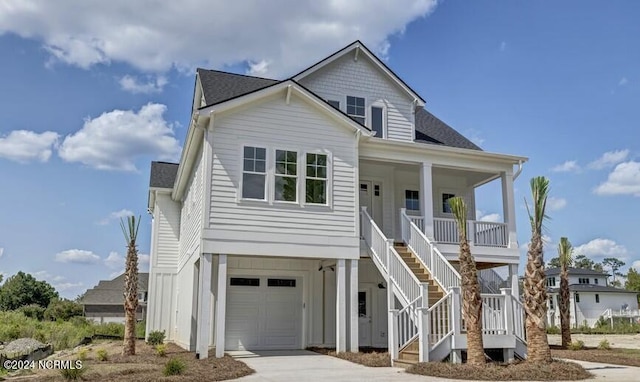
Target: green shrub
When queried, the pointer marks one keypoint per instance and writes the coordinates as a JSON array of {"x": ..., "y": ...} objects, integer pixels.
[
  {"x": 576, "y": 345},
  {"x": 553, "y": 330},
  {"x": 102, "y": 355},
  {"x": 161, "y": 350},
  {"x": 174, "y": 367},
  {"x": 156, "y": 337},
  {"x": 73, "y": 374},
  {"x": 32, "y": 311},
  {"x": 82, "y": 354},
  {"x": 62, "y": 310},
  {"x": 110, "y": 329},
  {"x": 604, "y": 345}
]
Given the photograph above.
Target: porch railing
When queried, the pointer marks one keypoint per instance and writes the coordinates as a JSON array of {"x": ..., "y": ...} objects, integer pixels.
[
  {"x": 490, "y": 280},
  {"x": 427, "y": 252},
  {"x": 485, "y": 234}
]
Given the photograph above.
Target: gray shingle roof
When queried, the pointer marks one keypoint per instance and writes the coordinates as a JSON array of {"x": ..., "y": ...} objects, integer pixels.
[
  {"x": 574, "y": 272},
  {"x": 163, "y": 174},
  {"x": 593, "y": 288},
  {"x": 110, "y": 292},
  {"x": 220, "y": 86},
  {"x": 430, "y": 129}
]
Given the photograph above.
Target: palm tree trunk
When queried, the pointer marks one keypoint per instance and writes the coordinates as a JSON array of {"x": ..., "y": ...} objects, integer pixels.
[
  {"x": 535, "y": 300},
  {"x": 130, "y": 300},
  {"x": 472, "y": 305},
  {"x": 563, "y": 306}
]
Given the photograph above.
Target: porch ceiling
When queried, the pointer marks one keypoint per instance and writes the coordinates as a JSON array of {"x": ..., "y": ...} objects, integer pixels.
[{"x": 474, "y": 177}]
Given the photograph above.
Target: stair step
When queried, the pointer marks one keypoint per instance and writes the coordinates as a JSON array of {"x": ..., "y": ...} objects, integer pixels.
[
  {"x": 409, "y": 355},
  {"x": 403, "y": 363}
]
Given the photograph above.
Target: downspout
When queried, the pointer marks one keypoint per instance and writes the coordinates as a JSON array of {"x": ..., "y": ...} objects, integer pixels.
[{"x": 515, "y": 176}]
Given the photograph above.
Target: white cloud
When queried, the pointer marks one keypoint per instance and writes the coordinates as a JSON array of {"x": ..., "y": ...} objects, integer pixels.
[
  {"x": 555, "y": 204},
  {"x": 1, "y": 251},
  {"x": 258, "y": 68},
  {"x": 26, "y": 146},
  {"x": 117, "y": 215},
  {"x": 623, "y": 180},
  {"x": 114, "y": 260},
  {"x": 166, "y": 35},
  {"x": 636, "y": 265},
  {"x": 609, "y": 159},
  {"x": 117, "y": 262},
  {"x": 143, "y": 262},
  {"x": 77, "y": 256},
  {"x": 600, "y": 248},
  {"x": 135, "y": 86},
  {"x": 494, "y": 218},
  {"x": 115, "y": 139},
  {"x": 623, "y": 81},
  {"x": 568, "y": 166}
]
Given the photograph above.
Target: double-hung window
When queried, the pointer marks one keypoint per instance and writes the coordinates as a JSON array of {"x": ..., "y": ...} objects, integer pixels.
[
  {"x": 316, "y": 179},
  {"x": 286, "y": 176},
  {"x": 254, "y": 173},
  {"x": 446, "y": 208},
  {"x": 355, "y": 109},
  {"x": 377, "y": 121},
  {"x": 412, "y": 200}
]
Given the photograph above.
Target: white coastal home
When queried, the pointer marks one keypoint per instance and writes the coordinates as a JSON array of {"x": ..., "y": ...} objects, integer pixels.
[
  {"x": 591, "y": 298},
  {"x": 313, "y": 211}
]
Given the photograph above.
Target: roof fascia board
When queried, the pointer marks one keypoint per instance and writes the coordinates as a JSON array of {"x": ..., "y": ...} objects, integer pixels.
[
  {"x": 360, "y": 47},
  {"x": 189, "y": 151}
]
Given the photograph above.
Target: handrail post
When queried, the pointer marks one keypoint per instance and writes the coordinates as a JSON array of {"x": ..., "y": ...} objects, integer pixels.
[
  {"x": 362, "y": 211},
  {"x": 508, "y": 317},
  {"x": 403, "y": 224},
  {"x": 456, "y": 323},
  {"x": 392, "y": 324},
  {"x": 388, "y": 252},
  {"x": 424, "y": 324}
]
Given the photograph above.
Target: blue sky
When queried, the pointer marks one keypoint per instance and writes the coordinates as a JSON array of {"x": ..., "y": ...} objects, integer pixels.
[{"x": 90, "y": 94}]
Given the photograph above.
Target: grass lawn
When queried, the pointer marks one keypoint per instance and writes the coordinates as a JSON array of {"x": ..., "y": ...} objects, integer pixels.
[
  {"x": 146, "y": 365},
  {"x": 627, "y": 357}
]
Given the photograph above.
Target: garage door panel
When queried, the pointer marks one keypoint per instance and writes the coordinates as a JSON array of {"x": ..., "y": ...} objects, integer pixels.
[{"x": 260, "y": 316}]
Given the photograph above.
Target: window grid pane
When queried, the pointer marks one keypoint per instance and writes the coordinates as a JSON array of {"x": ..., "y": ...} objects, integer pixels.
[
  {"x": 412, "y": 200},
  {"x": 316, "y": 184},
  {"x": 355, "y": 109},
  {"x": 254, "y": 173}
]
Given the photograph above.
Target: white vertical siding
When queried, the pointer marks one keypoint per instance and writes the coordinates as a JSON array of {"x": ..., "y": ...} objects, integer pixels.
[
  {"x": 161, "y": 308},
  {"x": 361, "y": 78},
  {"x": 191, "y": 215},
  {"x": 275, "y": 125}
]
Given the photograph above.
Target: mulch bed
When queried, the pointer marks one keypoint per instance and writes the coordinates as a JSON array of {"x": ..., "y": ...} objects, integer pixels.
[
  {"x": 371, "y": 357},
  {"x": 627, "y": 357},
  {"x": 517, "y": 371}
]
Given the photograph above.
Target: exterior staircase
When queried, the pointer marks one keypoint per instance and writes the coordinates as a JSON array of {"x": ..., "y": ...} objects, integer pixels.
[{"x": 425, "y": 310}]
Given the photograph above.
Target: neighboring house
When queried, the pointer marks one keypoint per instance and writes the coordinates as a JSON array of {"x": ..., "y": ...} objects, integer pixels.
[
  {"x": 313, "y": 212},
  {"x": 105, "y": 302},
  {"x": 590, "y": 297}
]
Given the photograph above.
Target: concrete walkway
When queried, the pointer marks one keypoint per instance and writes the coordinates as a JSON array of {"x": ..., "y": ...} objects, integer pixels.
[{"x": 302, "y": 365}]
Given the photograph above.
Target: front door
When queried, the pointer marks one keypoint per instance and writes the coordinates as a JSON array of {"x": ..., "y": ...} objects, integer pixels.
[
  {"x": 371, "y": 197},
  {"x": 364, "y": 317}
]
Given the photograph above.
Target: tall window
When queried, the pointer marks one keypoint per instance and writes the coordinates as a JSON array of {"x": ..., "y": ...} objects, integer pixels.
[
  {"x": 355, "y": 109},
  {"x": 446, "y": 208},
  {"x": 597, "y": 298},
  {"x": 551, "y": 306},
  {"x": 583, "y": 280},
  {"x": 595, "y": 281},
  {"x": 551, "y": 281},
  {"x": 376, "y": 121},
  {"x": 254, "y": 172},
  {"x": 577, "y": 297},
  {"x": 412, "y": 200},
  {"x": 316, "y": 180},
  {"x": 286, "y": 182}
]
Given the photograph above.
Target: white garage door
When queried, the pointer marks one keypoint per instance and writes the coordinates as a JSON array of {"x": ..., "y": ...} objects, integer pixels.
[{"x": 263, "y": 312}]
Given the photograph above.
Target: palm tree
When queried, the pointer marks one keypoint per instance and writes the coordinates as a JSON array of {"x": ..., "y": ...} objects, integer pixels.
[
  {"x": 564, "y": 254},
  {"x": 130, "y": 231},
  {"x": 471, "y": 300},
  {"x": 535, "y": 291}
]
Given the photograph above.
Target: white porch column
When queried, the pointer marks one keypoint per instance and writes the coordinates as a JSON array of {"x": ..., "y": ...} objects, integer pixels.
[
  {"x": 509, "y": 322},
  {"x": 456, "y": 320},
  {"x": 424, "y": 324},
  {"x": 204, "y": 307},
  {"x": 509, "y": 208},
  {"x": 221, "y": 305},
  {"x": 353, "y": 305},
  {"x": 341, "y": 307},
  {"x": 513, "y": 279},
  {"x": 426, "y": 198}
]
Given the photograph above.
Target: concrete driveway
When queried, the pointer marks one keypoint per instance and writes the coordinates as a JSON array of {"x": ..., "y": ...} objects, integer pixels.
[{"x": 302, "y": 365}]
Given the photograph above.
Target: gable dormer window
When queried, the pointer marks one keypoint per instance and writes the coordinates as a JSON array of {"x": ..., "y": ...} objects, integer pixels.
[
  {"x": 377, "y": 121},
  {"x": 356, "y": 109}
]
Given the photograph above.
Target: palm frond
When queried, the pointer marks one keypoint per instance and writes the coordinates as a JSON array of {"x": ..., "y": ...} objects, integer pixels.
[
  {"x": 565, "y": 252},
  {"x": 130, "y": 230},
  {"x": 539, "y": 194},
  {"x": 459, "y": 210}
]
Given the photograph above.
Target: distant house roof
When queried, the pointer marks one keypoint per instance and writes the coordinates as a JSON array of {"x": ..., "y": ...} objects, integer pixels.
[
  {"x": 575, "y": 272},
  {"x": 593, "y": 288},
  {"x": 111, "y": 292},
  {"x": 220, "y": 86},
  {"x": 163, "y": 174}
]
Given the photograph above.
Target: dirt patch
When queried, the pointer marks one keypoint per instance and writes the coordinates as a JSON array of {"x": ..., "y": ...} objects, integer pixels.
[
  {"x": 627, "y": 357},
  {"x": 371, "y": 357},
  {"x": 517, "y": 371},
  {"x": 146, "y": 365}
]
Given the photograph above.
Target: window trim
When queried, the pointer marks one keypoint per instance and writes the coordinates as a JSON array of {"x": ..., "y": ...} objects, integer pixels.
[
  {"x": 328, "y": 180},
  {"x": 383, "y": 107},
  {"x": 274, "y": 175},
  {"x": 267, "y": 168},
  {"x": 366, "y": 107},
  {"x": 405, "y": 200},
  {"x": 441, "y": 194}
]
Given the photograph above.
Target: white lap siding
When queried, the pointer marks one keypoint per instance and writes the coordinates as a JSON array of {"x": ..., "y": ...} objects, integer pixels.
[
  {"x": 361, "y": 78},
  {"x": 275, "y": 125},
  {"x": 191, "y": 215}
]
